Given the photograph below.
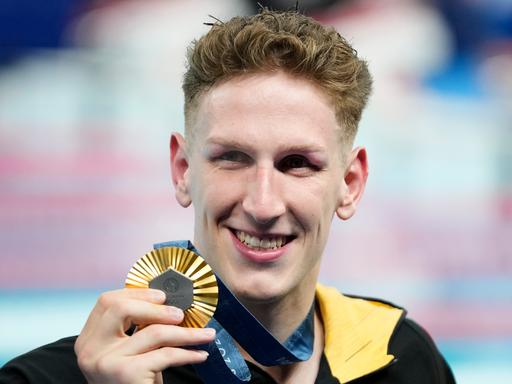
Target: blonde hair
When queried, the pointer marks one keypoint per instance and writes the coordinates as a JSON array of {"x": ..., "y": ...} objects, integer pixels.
[{"x": 280, "y": 40}]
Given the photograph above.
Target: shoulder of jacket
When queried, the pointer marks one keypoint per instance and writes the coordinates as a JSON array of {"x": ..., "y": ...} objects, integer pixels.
[
  {"x": 418, "y": 355},
  {"x": 357, "y": 332},
  {"x": 365, "y": 335}
]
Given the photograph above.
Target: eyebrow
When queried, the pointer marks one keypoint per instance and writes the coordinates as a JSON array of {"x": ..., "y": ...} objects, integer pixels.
[
  {"x": 226, "y": 142},
  {"x": 301, "y": 148}
]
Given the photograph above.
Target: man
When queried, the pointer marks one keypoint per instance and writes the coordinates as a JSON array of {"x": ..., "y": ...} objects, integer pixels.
[{"x": 272, "y": 104}]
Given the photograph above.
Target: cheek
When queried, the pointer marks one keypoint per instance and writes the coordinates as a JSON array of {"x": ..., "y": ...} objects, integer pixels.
[
  {"x": 313, "y": 200},
  {"x": 216, "y": 193}
]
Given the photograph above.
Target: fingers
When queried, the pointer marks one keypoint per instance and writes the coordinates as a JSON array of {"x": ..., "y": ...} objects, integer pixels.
[
  {"x": 124, "y": 312},
  {"x": 158, "y": 335},
  {"x": 162, "y": 358},
  {"x": 142, "y": 368},
  {"x": 105, "y": 354},
  {"x": 93, "y": 332},
  {"x": 108, "y": 299}
]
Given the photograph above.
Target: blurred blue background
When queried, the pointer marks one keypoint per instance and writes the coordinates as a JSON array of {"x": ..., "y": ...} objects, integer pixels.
[{"x": 90, "y": 91}]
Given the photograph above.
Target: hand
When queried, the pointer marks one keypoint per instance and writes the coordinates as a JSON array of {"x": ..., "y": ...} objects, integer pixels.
[{"x": 107, "y": 355}]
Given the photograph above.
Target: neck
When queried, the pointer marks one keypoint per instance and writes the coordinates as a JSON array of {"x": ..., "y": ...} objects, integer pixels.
[
  {"x": 282, "y": 316},
  {"x": 305, "y": 371}
]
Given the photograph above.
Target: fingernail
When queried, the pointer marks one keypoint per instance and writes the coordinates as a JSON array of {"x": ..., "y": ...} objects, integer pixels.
[
  {"x": 203, "y": 353},
  {"x": 175, "y": 313},
  {"x": 158, "y": 295},
  {"x": 209, "y": 331}
]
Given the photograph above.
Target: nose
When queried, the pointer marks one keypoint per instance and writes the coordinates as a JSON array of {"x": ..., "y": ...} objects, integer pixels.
[{"x": 263, "y": 201}]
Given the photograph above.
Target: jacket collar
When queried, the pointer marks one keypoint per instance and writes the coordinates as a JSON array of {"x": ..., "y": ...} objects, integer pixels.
[{"x": 357, "y": 333}]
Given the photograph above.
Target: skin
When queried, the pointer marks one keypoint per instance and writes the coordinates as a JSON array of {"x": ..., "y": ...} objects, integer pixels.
[
  {"x": 105, "y": 354},
  {"x": 266, "y": 159}
]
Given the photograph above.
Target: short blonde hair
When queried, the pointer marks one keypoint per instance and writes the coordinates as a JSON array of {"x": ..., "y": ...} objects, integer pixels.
[{"x": 280, "y": 40}]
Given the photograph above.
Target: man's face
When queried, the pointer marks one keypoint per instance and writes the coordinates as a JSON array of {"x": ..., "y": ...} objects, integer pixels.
[{"x": 265, "y": 176}]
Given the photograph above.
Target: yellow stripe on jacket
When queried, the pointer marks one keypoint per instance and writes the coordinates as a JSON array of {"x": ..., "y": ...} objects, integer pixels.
[{"x": 357, "y": 333}]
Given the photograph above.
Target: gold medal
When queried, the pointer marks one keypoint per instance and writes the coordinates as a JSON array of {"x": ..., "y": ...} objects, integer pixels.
[{"x": 187, "y": 280}]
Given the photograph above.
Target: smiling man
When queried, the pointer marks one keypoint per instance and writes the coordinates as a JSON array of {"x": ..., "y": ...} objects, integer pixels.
[
  {"x": 272, "y": 104},
  {"x": 265, "y": 174}
]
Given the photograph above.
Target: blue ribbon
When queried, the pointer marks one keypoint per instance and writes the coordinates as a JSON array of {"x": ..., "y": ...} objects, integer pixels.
[{"x": 233, "y": 321}]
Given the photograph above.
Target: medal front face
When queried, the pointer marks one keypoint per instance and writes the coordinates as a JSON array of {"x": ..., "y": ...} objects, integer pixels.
[{"x": 186, "y": 279}]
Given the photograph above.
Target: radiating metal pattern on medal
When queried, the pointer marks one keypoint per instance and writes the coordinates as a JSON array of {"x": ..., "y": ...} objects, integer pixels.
[{"x": 189, "y": 264}]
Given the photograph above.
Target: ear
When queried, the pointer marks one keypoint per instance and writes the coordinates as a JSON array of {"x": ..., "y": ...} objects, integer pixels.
[
  {"x": 353, "y": 184},
  {"x": 179, "y": 169}
]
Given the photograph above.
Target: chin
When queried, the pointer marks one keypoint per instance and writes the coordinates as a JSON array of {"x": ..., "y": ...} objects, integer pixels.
[{"x": 259, "y": 292}]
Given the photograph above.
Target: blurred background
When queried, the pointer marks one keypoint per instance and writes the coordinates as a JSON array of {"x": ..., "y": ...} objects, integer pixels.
[{"x": 90, "y": 91}]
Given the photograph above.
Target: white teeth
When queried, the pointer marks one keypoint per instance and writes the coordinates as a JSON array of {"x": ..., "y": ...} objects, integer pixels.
[{"x": 255, "y": 242}]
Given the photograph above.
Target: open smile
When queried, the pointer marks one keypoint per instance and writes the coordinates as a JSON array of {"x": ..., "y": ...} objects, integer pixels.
[
  {"x": 261, "y": 247},
  {"x": 263, "y": 242}
]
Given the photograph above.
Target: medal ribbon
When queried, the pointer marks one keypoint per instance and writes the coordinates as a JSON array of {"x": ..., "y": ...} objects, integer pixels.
[{"x": 233, "y": 321}]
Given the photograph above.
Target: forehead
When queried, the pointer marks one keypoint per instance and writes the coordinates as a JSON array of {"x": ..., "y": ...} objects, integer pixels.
[{"x": 260, "y": 107}]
